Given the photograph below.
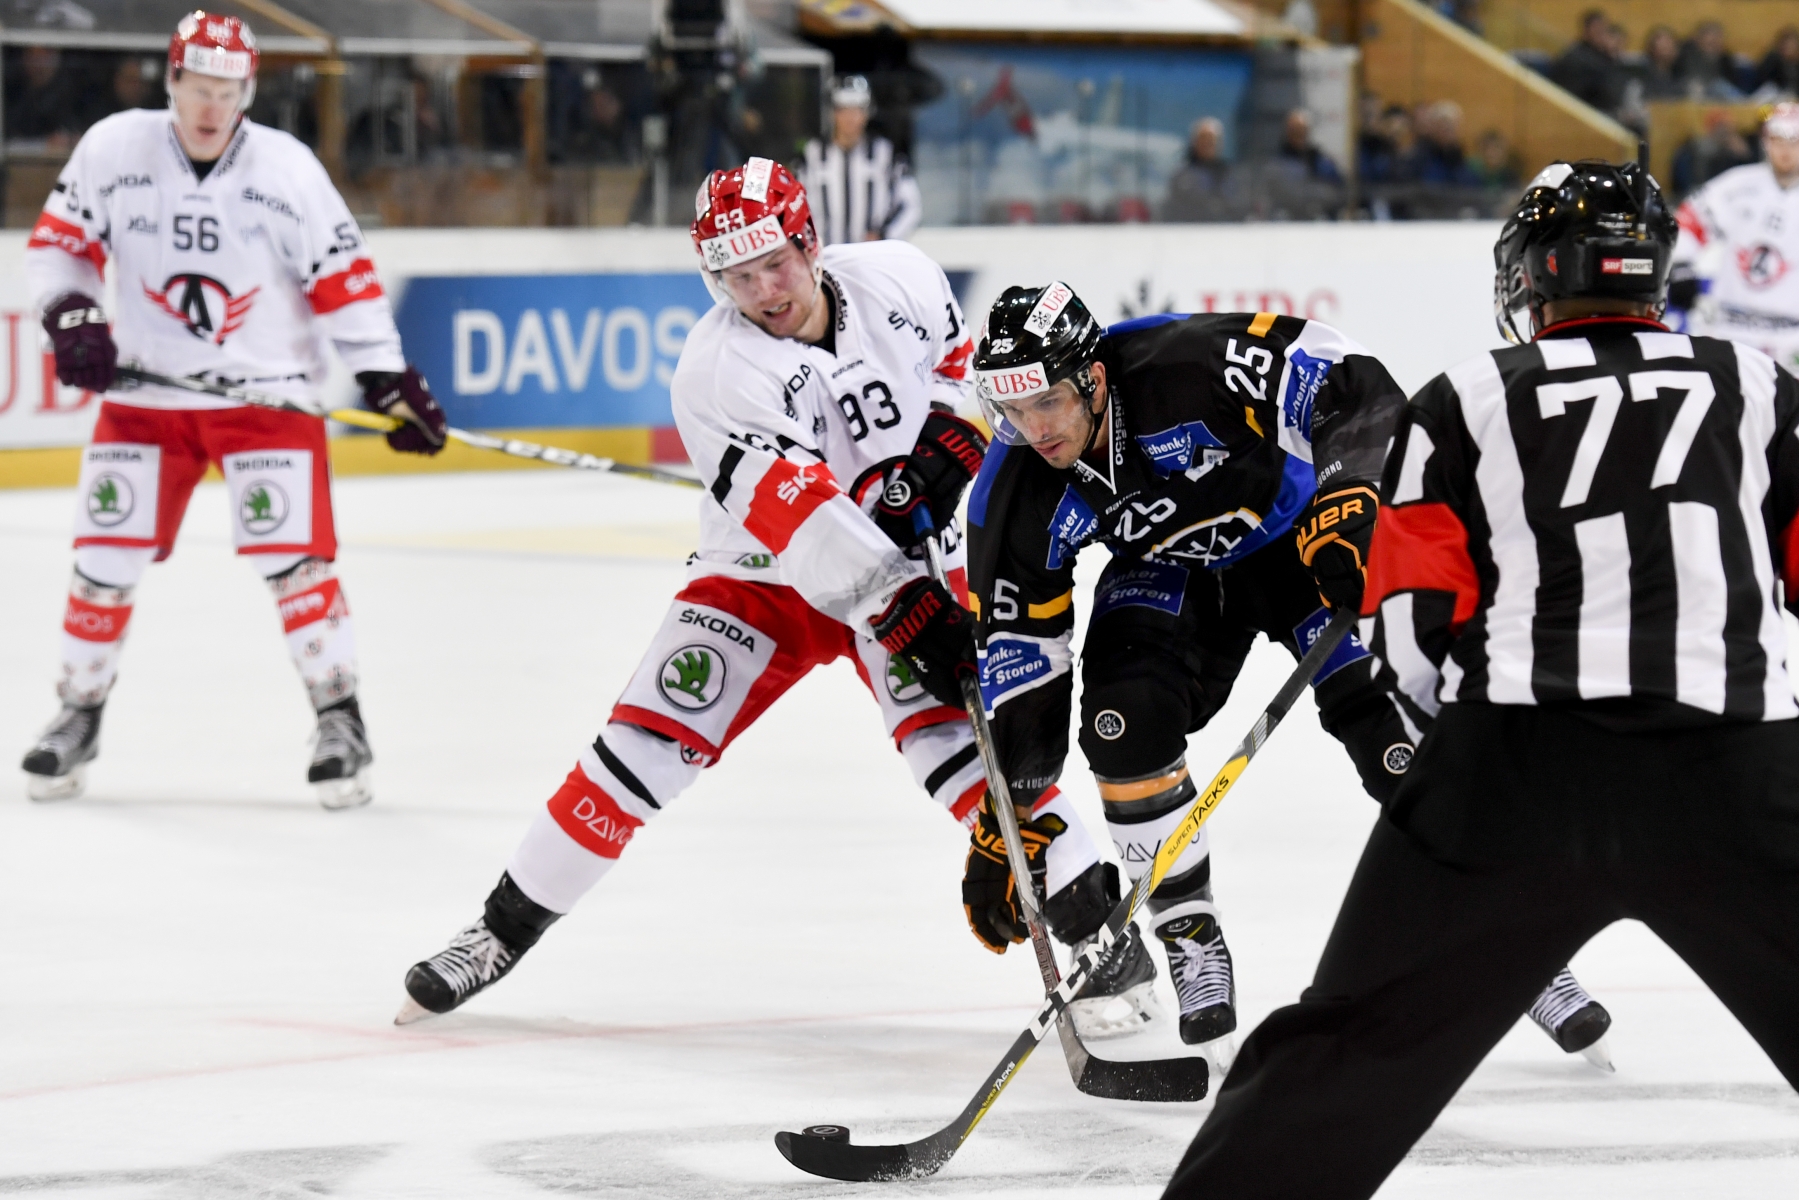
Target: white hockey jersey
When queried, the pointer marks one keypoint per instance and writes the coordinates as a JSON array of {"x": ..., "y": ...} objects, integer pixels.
[
  {"x": 792, "y": 440},
  {"x": 239, "y": 276},
  {"x": 1741, "y": 232}
]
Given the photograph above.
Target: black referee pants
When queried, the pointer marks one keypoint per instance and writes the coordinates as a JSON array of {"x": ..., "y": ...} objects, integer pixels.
[{"x": 1518, "y": 834}]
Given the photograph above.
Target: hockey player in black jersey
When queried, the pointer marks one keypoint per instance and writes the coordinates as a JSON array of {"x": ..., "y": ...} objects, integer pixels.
[
  {"x": 1576, "y": 579},
  {"x": 1228, "y": 462}
]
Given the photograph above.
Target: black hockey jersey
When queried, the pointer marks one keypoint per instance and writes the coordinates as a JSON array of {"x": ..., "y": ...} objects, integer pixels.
[
  {"x": 1223, "y": 425},
  {"x": 1600, "y": 518}
]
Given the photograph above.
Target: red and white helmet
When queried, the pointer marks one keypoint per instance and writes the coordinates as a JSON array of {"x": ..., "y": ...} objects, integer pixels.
[
  {"x": 747, "y": 212},
  {"x": 211, "y": 44},
  {"x": 1782, "y": 122}
]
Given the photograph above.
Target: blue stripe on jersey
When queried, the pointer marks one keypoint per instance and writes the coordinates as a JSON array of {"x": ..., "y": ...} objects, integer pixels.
[
  {"x": 983, "y": 482},
  {"x": 1149, "y": 322},
  {"x": 1298, "y": 483}
]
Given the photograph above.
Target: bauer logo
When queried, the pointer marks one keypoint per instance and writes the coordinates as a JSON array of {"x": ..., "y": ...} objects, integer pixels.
[
  {"x": 110, "y": 500},
  {"x": 693, "y": 678},
  {"x": 263, "y": 508},
  {"x": 902, "y": 684}
]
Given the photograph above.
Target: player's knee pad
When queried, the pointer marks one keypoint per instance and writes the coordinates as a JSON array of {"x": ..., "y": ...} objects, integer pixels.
[
  {"x": 1141, "y": 812},
  {"x": 1135, "y": 710},
  {"x": 315, "y": 615},
  {"x": 1372, "y": 728},
  {"x": 947, "y": 764},
  {"x": 1079, "y": 909}
]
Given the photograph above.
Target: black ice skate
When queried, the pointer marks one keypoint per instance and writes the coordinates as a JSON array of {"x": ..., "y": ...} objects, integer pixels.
[
  {"x": 1574, "y": 1020},
  {"x": 477, "y": 957},
  {"x": 340, "y": 757},
  {"x": 1120, "y": 997},
  {"x": 56, "y": 768},
  {"x": 1200, "y": 965}
]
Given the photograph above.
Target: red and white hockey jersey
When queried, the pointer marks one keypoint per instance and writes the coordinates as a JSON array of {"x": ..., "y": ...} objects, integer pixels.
[
  {"x": 1741, "y": 232},
  {"x": 239, "y": 276},
  {"x": 792, "y": 440}
]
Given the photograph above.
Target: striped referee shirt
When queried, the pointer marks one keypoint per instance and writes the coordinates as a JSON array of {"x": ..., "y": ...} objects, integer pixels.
[
  {"x": 866, "y": 189},
  {"x": 1599, "y": 518}
]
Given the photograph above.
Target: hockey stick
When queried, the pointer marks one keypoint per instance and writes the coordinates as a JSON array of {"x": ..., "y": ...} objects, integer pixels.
[
  {"x": 827, "y": 1151},
  {"x": 1172, "y": 1080},
  {"x": 382, "y": 423}
]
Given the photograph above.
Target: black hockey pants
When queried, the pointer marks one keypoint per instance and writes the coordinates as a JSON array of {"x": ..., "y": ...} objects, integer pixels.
[
  {"x": 1518, "y": 834},
  {"x": 1166, "y": 643}
]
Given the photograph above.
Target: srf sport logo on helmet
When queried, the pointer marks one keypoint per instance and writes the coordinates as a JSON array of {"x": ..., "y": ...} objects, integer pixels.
[{"x": 693, "y": 678}]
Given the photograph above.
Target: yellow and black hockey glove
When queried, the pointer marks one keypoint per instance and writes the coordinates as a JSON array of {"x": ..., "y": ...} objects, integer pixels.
[
  {"x": 1333, "y": 535},
  {"x": 989, "y": 895}
]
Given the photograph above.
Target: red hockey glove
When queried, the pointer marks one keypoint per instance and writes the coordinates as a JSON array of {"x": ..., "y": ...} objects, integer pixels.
[
  {"x": 1333, "y": 536},
  {"x": 408, "y": 397},
  {"x": 989, "y": 895},
  {"x": 925, "y": 626},
  {"x": 85, "y": 354},
  {"x": 931, "y": 480}
]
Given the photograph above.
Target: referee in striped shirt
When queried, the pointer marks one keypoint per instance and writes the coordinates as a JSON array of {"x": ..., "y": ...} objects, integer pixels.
[
  {"x": 1574, "y": 582},
  {"x": 860, "y": 189}
]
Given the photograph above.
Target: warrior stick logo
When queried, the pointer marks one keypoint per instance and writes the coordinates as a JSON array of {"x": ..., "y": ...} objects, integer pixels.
[
  {"x": 110, "y": 500},
  {"x": 263, "y": 507},
  {"x": 204, "y": 305},
  {"x": 693, "y": 678}
]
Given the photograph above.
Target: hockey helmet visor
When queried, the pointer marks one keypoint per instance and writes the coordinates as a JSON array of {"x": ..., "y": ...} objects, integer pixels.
[{"x": 1034, "y": 339}]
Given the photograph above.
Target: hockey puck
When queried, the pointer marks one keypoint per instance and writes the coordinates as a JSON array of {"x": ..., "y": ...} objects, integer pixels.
[{"x": 830, "y": 1133}]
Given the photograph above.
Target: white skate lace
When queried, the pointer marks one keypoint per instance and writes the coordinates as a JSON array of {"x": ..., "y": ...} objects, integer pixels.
[
  {"x": 1202, "y": 972},
  {"x": 1560, "y": 1000},
  {"x": 473, "y": 959},
  {"x": 340, "y": 737},
  {"x": 67, "y": 732}
]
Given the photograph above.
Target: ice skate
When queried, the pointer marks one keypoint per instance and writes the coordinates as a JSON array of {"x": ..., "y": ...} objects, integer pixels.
[
  {"x": 56, "y": 767},
  {"x": 1200, "y": 965},
  {"x": 1574, "y": 1020},
  {"x": 1119, "y": 998},
  {"x": 341, "y": 757},
  {"x": 477, "y": 957}
]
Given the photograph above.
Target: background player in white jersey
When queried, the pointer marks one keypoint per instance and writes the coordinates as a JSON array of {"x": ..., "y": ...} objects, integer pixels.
[
  {"x": 234, "y": 259},
  {"x": 1736, "y": 264},
  {"x": 817, "y": 399}
]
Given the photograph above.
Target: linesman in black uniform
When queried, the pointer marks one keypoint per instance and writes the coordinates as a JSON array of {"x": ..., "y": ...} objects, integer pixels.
[
  {"x": 1228, "y": 461},
  {"x": 1575, "y": 581}
]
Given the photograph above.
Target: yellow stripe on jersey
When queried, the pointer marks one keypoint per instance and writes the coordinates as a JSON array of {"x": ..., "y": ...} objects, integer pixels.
[
  {"x": 1249, "y": 414},
  {"x": 974, "y": 605},
  {"x": 1261, "y": 325},
  {"x": 1038, "y": 612}
]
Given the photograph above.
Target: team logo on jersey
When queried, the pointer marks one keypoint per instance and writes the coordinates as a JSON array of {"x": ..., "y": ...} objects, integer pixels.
[
  {"x": 1397, "y": 758},
  {"x": 1762, "y": 266},
  {"x": 693, "y": 678},
  {"x": 110, "y": 500},
  {"x": 263, "y": 507},
  {"x": 1109, "y": 724},
  {"x": 203, "y": 304},
  {"x": 902, "y": 684}
]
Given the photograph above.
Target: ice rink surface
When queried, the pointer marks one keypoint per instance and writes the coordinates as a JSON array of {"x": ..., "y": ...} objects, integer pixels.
[{"x": 202, "y": 966}]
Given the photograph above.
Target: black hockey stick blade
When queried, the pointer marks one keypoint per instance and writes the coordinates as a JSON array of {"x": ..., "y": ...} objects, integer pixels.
[{"x": 1149, "y": 1081}]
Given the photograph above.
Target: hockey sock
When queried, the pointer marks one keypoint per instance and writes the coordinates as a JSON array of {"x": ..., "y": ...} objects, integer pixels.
[
  {"x": 93, "y": 632},
  {"x": 1072, "y": 854},
  {"x": 946, "y": 763},
  {"x": 1141, "y": 812},
  {"x": 316, "y": 618},
  {"x": 618, "y": 783}
]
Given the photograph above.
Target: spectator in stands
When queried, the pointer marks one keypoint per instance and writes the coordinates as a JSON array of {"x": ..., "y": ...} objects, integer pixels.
[
  {"x": 1301, "y": 182},
  {"x": 1298, "y": 148},
  {"x": 1442, "y": 161},
  {"x": 1779, "y": 72},
  {"x": 1394, "y": 158},
  {"x": 1495, "y": 166},
  {"x": 1707, "y": 68},
  {"x": 1590, "y": 68},
  {"x": 1208, "y": 187},
  {"x": 46, "y": 100},
  {"x": 1712, "y": 152},
  {"x": 1659, "y": 75}
]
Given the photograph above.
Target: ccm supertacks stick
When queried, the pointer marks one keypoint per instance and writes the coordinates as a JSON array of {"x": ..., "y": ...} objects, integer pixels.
[
  {"x": 362, "y": 418},
  {"x": 826, "y": 1149},
  {"x": 1168, "y": 1080}
]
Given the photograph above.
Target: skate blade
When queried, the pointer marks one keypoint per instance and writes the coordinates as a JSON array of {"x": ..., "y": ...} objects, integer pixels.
[
  {"x": 1104, "y": 1017},
  {"x": 1600, "y": 1055},
  {"x": 412, "y": 1011},
  {"x": 1219, "y": 1054},
  {"x": 353, "y": 792},
  {"x": 47, "y": 788}
]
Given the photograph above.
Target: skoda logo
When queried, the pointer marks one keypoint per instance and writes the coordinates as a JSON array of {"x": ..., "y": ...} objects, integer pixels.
[
  {"x": 263, "y": 508},
  {"x": 693, "y": 678},
  {"x": 110, "y": 500}
]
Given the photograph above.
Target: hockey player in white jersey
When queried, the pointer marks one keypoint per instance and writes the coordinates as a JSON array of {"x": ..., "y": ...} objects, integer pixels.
[
  {"x": 1736, "y": 265},
  {"x": 234, "y": 260},
  {"x": 817, "y": 399}
]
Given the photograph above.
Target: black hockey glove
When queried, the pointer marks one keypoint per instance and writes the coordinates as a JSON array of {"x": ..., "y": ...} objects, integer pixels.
[
  {"x": 925, "y": 626},
  {"x": 989, "y": 895},
  {"x": 408, "y": 397},
  {"x": 931, "y": 480},
  {"x": 1333, "y": 536},
  {"x": 85, "y": 354}
]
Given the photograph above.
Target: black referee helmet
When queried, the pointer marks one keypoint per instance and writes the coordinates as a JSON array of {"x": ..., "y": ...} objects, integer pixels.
[{"x": 1586, "y": 228}]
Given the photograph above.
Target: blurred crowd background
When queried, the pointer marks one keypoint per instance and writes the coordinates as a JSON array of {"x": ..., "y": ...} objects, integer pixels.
[{"x": 609, "y": 112}]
